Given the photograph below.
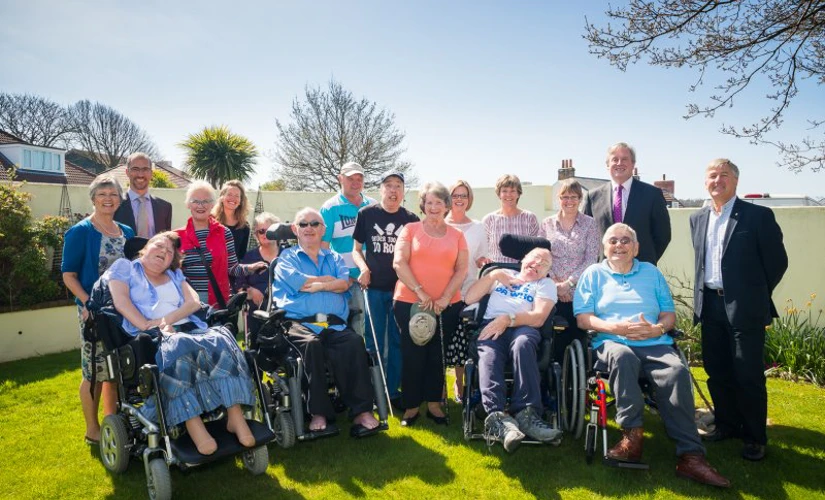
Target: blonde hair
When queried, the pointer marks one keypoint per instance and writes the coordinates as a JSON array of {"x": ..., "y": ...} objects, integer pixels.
[
  {"x": 241, "y": 213},
  {"x": 510, "y": 181},
  {"x": 462, "y": 183}
]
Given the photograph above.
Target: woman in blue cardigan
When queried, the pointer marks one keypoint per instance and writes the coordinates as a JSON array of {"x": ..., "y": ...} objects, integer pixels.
[{"x": 89, "y": 248}]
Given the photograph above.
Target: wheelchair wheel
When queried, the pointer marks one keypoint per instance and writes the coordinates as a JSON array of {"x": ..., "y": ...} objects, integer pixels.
[
  {"x": 573, "y": 389},
  {"x": 284, "y": 428},
  {"x": 158, "y": 480},
  {"x": 256, "y": 460},
  {"x": 114, "y": 441}
]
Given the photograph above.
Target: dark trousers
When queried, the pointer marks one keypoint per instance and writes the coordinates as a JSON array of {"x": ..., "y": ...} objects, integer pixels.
[
  {"x": 563, "y": 339},
  {"x": 422, "y": 367},
  {"x": 345, "y": 355},
  {"x": 735, "y": 363}
]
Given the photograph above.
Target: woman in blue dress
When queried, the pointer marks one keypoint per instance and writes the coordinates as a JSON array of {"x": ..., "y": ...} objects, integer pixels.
[{"x": 200, "y": 369}]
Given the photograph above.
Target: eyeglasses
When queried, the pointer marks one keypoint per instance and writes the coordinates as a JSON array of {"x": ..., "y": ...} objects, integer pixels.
[
  {"x": 314, "y": 223},
  {"x": 260, "y": 231},
  {"x": 623, "y": 240},
  {"x": 201, "y": 203},
  {"x": 460, "y": 196},
  {"x": 144, "y": 170},
  {"x": 569, "y": 198}
]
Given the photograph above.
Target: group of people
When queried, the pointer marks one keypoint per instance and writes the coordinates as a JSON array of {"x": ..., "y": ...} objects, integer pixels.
[{"x": 365, "y": 272}]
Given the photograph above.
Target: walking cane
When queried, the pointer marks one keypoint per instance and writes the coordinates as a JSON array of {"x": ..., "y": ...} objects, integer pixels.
[{"x": 379, "y": 354}]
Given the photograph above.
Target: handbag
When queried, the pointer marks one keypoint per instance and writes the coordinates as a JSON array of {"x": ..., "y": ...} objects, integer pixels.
[{"x": 422, "y": 325}]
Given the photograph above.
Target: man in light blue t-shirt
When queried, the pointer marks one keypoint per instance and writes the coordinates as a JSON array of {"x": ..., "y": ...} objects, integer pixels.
[
  {"x": 629, "y": 303},
  {"x": 339, "y": 213}
]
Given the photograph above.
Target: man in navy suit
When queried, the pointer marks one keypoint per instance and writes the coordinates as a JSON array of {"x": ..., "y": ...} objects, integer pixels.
[
  {"x": 740, "y": 258},
  {"x": 633, "y": 202},
  {"x": 146, "y": 214}
]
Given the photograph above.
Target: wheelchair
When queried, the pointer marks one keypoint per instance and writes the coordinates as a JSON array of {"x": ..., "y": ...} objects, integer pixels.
[
  {"x": 473, "y": 413},
  {"x": 131, "y": 364},
  {"x": 585, "y": 393},
  {"x": 282, "y": 372}
]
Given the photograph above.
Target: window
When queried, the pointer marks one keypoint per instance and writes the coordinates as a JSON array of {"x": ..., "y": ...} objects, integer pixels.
[{"x": 41, "y": 160}]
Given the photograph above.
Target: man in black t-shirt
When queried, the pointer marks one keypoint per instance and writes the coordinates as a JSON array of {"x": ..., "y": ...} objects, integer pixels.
[{"x": 376, "y": 230}]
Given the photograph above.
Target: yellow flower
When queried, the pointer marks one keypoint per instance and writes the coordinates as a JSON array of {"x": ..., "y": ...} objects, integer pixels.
[{"x": 813, "y": 296}]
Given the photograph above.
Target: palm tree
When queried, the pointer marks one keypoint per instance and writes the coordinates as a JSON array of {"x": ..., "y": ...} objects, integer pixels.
[{"x": 218, "y": 155}]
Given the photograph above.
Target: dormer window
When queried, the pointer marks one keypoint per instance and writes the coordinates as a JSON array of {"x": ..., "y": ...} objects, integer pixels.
[{"x": 41, "y": 160}]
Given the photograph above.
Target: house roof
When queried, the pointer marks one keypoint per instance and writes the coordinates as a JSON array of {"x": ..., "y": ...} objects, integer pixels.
[
  {"x": 178, "y": 178},
  {"x": 78, "y": 175},
  {"x": 7, "y": 138}
]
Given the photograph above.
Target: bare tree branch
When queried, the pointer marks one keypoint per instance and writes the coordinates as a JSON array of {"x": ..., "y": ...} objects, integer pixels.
[
  {"x": 329, "y": 128},
  {"x": 34, "y": 119},
  {"x": 778, "y": 41}
]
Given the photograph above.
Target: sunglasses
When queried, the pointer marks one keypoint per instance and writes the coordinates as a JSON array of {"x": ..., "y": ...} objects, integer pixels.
[
  {"x": 624, "y": 240},
  {"x": 314, "y": 223}
]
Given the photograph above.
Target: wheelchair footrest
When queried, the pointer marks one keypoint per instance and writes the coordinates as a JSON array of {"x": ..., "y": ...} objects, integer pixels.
[
  {"x": 610, "y": 462},
  {"x": 331, "y": 430},
  {"x": 185, "y": 451}
]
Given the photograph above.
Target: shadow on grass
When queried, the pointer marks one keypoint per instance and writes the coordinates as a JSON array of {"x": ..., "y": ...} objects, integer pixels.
[
  {"x": 26, "y": 371},
  {"x": 354, "y": 464}
]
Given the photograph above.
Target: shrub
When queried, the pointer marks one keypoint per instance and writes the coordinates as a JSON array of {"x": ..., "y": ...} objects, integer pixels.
[
  {"x": 24, "y": 274},
  {"x": 795, "y": 344},
  {"x": 160, "y": 179}
]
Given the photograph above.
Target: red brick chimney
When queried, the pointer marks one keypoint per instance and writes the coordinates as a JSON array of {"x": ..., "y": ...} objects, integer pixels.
[
  {"x": 566, "y": 171},
  {"x": 666, "y": 185}
]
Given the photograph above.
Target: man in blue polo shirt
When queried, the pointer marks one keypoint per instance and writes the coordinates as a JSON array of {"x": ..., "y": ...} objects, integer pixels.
[
  {"x": 312, "y": 285},
  {"x": 339, "y": 213},
  {"x": 629, "y": 304}
]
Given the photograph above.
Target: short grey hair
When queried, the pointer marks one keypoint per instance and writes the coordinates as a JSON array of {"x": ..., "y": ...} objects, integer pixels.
[
  {"x": 437, "y": 189},
  {"x": 138, "y": 156},
  {"x": 200, "y": 186},
  {"x": 266, "y": 218},
  {"x": 620, "y": 145},
  {"x": 721, "y": 162},
  {"x": 619, "y": 226},
  {"x": 104, "y": 181}
]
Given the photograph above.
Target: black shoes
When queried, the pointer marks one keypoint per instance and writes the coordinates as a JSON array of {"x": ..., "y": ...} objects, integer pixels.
[
  {"x": 719, "y": 435},
  {"x": 410, "y": 421},
  {"x": 753, "y": 452},
  {"x": 443, "y": 420}
]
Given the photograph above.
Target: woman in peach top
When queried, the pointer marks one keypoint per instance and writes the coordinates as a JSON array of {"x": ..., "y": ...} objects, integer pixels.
[{"x": 431, "y": 262}]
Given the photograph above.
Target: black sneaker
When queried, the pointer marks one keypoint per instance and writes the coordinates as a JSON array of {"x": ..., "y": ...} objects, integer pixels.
[{"x": 753, "y": 452}]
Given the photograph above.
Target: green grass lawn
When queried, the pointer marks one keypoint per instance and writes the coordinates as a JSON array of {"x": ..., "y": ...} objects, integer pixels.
[{"x": 42, "y": 455}]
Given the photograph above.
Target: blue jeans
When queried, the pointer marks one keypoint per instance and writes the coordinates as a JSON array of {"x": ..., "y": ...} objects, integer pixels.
[{"x": 389, "y": 338}]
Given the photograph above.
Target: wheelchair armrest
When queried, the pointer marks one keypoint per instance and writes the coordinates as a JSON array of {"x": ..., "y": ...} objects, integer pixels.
[
  {"x": 269, "y": 315},
  {"x": 676, "y": 333},
  {"x": 560, "y": 323},
  {"x": 469, "y": 312}
]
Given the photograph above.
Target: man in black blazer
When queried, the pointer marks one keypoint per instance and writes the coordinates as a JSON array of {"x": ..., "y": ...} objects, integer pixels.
[
  {"x": 158, "y": 216},
  {"x": 642, "y": 206},
  {"x": 740, "y": 258}
]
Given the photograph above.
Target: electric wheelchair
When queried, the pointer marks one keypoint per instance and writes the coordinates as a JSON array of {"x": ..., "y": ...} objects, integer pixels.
[
  {"x": 473, "y": 413},
  {"x": 282, "y": 372},
  {"x": 126, "y": 434},
  {"x": 585, "y": 394}
]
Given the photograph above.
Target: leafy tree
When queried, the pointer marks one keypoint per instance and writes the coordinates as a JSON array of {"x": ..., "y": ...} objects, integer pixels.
[
  {"x": 781, "y": 42},
  {"x": 218, "y": 155},
  {"x": 330, "y": 127},
  {"x": 24, "y": 272},
  {"x": 34, "y": 119},
  {"x": 106, "y": 135},
  {"x": 160, "y": 179},
  {"x": 274, "y": 185}
]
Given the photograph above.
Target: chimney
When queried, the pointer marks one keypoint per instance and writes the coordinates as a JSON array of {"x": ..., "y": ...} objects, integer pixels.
[
  {"x": 636, "y": 174},
  {"x": 666, "y": 185},
  {"x": 566, "y": 171}
]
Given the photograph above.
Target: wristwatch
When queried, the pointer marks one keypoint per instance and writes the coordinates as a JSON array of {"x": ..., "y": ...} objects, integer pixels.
[{"x": 512, "y": 319}]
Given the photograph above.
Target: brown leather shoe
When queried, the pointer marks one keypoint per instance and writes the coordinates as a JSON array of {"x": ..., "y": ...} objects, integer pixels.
[
  {"x": 694, "y": 466},
  {"x": 629, "y": 448}
]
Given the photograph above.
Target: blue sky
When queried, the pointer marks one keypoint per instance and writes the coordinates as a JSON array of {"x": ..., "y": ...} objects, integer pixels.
[{"x": 480, "y": 88}]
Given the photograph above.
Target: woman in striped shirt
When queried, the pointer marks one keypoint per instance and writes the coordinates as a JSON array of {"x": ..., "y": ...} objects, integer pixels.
[
  {"x": 509, "y": 219},
  {"x": 207, "y": 242}
]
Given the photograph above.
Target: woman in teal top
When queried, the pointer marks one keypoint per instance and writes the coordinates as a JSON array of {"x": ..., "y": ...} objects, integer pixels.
[{"x": 89, "y": 248}]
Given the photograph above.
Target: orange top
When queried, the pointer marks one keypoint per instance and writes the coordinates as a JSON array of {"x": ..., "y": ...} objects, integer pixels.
[{"x": 432, "y": 261}]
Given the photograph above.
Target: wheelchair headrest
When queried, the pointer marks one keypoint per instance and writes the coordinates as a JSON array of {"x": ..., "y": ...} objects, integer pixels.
[
  {"x": 280, "y": 232},
  {"x": 133, "y": 246},
  {"x": 517, "y": 246}
]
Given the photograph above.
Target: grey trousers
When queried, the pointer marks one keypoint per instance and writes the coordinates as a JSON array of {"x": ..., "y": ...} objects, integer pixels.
[
  {"x": 670, "y": 379},
  {"x": 521, "y": 344}
]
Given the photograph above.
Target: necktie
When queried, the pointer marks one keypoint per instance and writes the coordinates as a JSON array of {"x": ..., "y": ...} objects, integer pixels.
[
  {"x": 617, "y": 205},
  {"x": 142, "y": 219}
]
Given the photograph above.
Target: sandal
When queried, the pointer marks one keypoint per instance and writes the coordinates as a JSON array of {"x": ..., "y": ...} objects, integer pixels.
[{"x": 90, "y": 441}]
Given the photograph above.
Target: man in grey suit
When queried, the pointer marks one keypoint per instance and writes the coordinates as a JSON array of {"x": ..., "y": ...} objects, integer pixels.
[
  {"x": 633, "y": 202},
  {"x": 740, "y": 258},
  {"x": 146, "y": 214}
]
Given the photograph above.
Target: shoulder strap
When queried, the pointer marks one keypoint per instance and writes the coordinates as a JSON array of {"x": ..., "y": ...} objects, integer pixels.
[{"x": 212, "y": 281}]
